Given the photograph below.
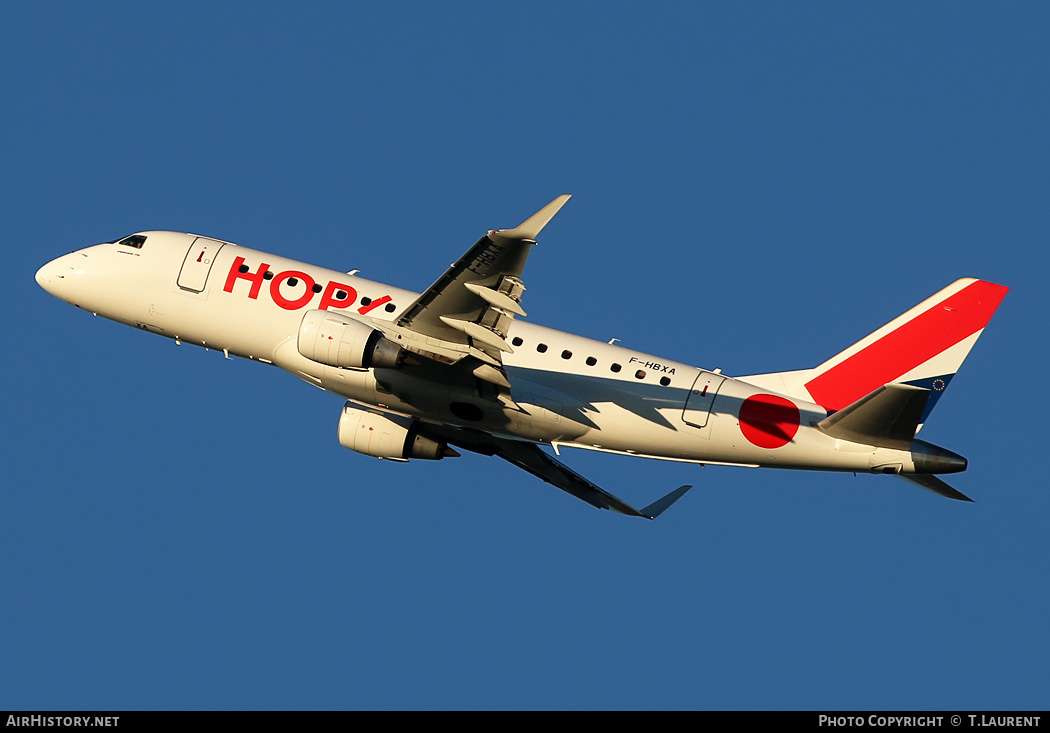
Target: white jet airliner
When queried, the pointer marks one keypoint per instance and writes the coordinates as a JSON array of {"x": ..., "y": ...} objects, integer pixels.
[{"x": 455, "y": 366}]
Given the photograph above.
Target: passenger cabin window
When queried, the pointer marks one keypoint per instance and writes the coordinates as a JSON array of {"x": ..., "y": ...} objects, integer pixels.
[{"x": 135, "y": 240}]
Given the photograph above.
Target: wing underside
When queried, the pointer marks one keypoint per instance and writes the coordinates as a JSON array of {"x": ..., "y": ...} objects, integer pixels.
[{"x": 530, "y": 457}]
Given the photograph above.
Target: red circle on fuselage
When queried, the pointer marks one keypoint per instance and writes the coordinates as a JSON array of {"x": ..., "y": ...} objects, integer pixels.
[{"x": 768, "y": 421}]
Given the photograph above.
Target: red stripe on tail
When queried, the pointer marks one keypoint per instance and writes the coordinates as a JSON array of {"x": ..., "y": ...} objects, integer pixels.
[{"x": 906, "y": 347}]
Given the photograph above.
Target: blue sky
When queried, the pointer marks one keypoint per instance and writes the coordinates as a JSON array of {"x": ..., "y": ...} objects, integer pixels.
[{"x": 756, "y": 186}]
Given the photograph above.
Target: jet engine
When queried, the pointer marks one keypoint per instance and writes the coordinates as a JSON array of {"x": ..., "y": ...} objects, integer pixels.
[
  {"x": 387, "y": 436},
  {"x": 337, "y": 341}
]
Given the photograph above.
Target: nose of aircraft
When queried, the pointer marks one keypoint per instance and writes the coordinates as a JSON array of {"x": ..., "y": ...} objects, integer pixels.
[
  {"x": 43, "y": 277},
  {"x": 56, "y": 272},
  {"x": 46, "y": 276}
]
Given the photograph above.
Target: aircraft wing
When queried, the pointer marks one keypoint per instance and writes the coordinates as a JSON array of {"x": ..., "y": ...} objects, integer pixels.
[
  {"x": 476, "y": 299},
  {"x": 533, "y": 459}
]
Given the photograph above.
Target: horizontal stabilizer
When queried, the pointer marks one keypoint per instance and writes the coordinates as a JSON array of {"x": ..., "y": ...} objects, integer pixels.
[
  {"x": 934, "y": 484},
  {"x": 888, "y": 417}
]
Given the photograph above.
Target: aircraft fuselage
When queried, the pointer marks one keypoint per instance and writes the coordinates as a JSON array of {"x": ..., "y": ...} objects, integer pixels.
[{"x": 566, "y": 390}]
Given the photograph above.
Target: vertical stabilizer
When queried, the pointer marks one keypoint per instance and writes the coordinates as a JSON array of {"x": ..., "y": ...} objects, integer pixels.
[{"x": 922, "y": 348}]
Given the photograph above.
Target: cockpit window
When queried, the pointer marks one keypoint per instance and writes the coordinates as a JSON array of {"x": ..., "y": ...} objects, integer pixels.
[{"x": 135, "y": 240}]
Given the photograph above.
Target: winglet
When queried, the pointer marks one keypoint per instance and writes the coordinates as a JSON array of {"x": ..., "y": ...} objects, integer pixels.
[
  {"x": 531, "y": 227},
  {"x": 657, "y": 507}
]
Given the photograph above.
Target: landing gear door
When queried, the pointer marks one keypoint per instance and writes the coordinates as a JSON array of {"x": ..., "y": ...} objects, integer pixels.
[
  {"x": 195, "y": 268},
  {"x": 701, "y": 397}
]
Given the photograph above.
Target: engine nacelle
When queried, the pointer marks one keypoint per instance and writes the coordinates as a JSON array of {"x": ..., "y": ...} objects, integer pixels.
[
  {"x": 337, "y": 341},
  {"x": 387, "y": 436}
]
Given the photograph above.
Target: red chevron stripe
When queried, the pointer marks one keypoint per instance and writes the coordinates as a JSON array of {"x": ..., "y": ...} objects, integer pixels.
[{"x": 906, "y": 347}]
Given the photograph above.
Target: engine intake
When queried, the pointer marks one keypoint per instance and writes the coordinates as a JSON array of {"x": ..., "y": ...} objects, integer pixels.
[
  {"x": 387, "y": 436},
  {"x": 337, "y": 341}
]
